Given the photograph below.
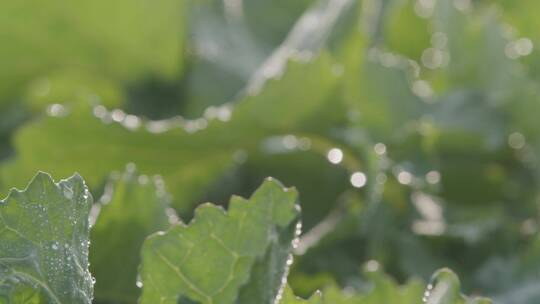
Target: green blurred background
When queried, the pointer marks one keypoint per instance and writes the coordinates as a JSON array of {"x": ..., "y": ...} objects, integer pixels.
[{"x": 409, "y": 127}]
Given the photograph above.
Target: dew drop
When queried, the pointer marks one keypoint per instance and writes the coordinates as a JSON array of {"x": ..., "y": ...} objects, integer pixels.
[
  {"x": 132, "y": 122},
  {"x": 100, "y": 111},
  {"x": 118, "y": 115},
  {"x": 289, "y": 261},
  {"x": 290, "y": 142},
  {"x": 433, "y": 58},
  {"x": 56, "y": 110},
  {"x": 224, "y": 113},
  {"x": 380, "y": 148},
  {"x": 433, "y": 177},
  {"x": 358, "y": 179},
  {"x": 335, "y": 156},
  {"x": 422, "y": 89},
  {"x": 516, "y": 140},
  {"x": 372, "y": 266},
  {"x": 404, "y": 177}
]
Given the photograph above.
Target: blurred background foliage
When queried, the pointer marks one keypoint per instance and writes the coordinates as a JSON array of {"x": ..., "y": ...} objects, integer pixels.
[{"x": 409, "y": 127}]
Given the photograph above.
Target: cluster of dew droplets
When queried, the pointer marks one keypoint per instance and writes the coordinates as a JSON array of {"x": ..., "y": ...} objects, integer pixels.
[
  {"x": 131, "y": 122},
  {"x": 290, "y": 259},
  {"x": 444, "y": 287},
  {"x": 427, "y": 293},
  {"x": 285, "y": 144},
  {"x": 139, "y": 282},
  {"x": 54, "y": 255},
  {"x": 76, "y": 251}
]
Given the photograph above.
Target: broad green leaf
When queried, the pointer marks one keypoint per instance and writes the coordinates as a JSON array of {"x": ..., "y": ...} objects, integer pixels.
[
  {"x": 133, "y": 207},
  {"x": 189, "y": 155},
  {"x": 44, "y": 243},
  {"x": 219, "y": 252}
]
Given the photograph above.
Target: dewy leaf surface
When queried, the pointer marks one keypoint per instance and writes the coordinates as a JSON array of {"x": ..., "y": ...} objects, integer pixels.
[
  {"x": 44, "y": 247},
  {"x": 212, "y": 258},
  {"x": 133, "y": 207},
  {"x": 188, "y": 159}
]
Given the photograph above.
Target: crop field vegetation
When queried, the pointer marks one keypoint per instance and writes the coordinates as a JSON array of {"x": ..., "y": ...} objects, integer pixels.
[{"x": 269, "y": 152}]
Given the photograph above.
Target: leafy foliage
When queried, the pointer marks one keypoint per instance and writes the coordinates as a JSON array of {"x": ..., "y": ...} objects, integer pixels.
[
  {"x": 408, "y": 127},
  {"x": 199, "y": 158},
  {"x": 212, "y": 258}
]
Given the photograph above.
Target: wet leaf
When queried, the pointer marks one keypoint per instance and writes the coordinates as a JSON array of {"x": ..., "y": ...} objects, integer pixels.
[
  {"x": 209, "y": 260},
  {"x": 189, "y": 155},
  {"x": 44, "y": 249}
]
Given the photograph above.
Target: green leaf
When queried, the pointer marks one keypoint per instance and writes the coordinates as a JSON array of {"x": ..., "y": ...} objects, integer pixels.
[
  {"x": 44, "y": 247},
  {"x": 219, "y": 252},
  {"x": 133, "y": 207},
  {"x": 189, "y": 156}
]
